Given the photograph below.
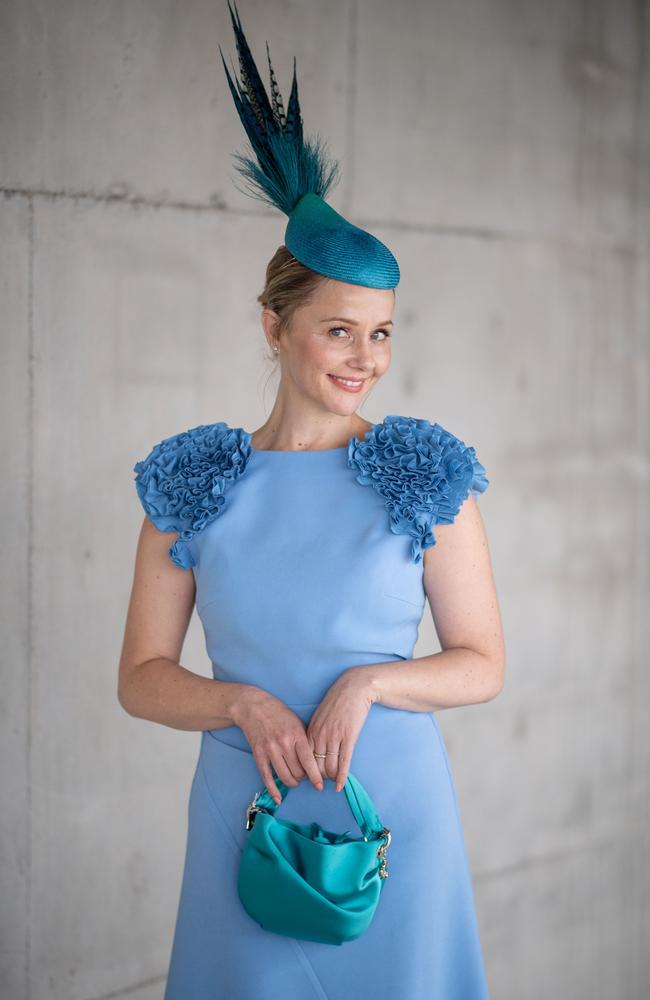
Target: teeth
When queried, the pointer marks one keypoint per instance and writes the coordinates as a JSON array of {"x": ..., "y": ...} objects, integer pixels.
[{"x": 347, "y": 381}]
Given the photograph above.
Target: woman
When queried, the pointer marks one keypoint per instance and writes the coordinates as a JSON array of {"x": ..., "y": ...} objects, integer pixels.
[{"x": 308, "y": 549}]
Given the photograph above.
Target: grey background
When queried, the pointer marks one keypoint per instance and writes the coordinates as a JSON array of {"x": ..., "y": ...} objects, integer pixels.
[{"x": 501, "y": 150}]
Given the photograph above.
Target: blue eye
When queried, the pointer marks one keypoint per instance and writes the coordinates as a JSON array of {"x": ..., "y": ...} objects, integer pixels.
[{"x": 334, "y": 329}]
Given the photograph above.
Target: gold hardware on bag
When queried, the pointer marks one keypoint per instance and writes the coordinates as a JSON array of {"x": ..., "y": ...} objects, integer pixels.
[
  {"x": 381, "y": 853},
  {"x": 251, "y": 810}
]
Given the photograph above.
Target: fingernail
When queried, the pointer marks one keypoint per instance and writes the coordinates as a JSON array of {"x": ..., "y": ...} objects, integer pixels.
[
  {"x": 338, "y": 786},
  {"x": 319, "y": 786}
]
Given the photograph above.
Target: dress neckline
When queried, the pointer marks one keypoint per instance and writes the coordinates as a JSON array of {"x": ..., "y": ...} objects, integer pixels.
[{"x": 304, "y": 451}]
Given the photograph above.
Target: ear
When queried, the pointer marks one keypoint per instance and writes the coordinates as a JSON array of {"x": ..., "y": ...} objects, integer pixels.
[{"x": 270, "y": 322}]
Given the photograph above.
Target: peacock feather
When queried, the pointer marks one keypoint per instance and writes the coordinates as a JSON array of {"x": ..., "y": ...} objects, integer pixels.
[{"x": 284, "y": 165}]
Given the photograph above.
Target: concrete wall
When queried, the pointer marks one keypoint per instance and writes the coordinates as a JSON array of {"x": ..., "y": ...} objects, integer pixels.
[{"x": 502, "y": 150}]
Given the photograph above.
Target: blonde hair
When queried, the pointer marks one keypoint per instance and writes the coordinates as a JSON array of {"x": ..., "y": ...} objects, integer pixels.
[{"x": 289, "y": 285}]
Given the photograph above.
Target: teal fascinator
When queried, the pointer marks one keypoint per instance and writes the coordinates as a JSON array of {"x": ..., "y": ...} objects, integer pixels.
[{"x": 292, "y": 173}]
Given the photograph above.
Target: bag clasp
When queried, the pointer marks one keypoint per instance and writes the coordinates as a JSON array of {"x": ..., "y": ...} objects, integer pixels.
[
  {"x": 381, "y": 853},
  {"x": 252, "y": 809}
]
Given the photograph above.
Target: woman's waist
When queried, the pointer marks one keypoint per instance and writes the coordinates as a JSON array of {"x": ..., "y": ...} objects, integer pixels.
[
  {"x": 394, "y": 727},
  {"x": 300, "y": 680}
]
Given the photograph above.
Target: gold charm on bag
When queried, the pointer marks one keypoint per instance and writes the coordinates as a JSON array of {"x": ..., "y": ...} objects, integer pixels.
[
  {"x": 381, "y": 853},
  {"x": 251, "y": 810}
]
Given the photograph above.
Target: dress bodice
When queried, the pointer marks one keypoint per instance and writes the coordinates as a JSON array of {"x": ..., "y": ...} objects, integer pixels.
[{"x": 307, "y": 562}]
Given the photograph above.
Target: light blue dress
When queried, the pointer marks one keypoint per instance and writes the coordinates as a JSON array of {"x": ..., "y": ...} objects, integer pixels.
[{"x": 307, "y": 563}]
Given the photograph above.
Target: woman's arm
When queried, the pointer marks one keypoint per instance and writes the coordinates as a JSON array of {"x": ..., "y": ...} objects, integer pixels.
[
  {"x": 151, "y": 682},
  {"x": 460, "y": 588}
]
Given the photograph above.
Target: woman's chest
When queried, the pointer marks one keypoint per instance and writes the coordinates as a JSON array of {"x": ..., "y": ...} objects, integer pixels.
[{"x": 314, "y": 538}]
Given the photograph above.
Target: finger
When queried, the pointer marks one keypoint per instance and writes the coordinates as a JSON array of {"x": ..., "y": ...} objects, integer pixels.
[
  {"x": 332, "y": 760},
  {"x": 281, "y": 769},
  {"x": 319, "y": 761},
  {"x": 321, "y": 765},
  {"x": 264, "y": 768},
  {"x": 294, "y": 765},
  {"x": 305, "y": 752},
  {"x": 345, "y": 759}
]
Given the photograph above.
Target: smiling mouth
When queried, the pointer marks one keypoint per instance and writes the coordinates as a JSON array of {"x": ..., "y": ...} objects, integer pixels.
[{"x": 348, "y": 384}]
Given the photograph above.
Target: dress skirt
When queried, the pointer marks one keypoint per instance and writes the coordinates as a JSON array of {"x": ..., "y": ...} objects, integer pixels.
[{"x": 423, "y": 941}]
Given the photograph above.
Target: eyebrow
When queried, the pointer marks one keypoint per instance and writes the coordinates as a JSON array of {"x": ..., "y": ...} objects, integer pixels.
[{"x": 352, "y": 322}]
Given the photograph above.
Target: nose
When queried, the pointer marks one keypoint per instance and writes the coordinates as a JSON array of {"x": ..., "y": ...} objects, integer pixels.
[{"x": 362, "y": 357}]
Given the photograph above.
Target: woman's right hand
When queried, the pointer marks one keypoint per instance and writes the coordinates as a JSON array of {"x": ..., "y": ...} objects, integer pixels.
[{"x": 278, "y": 737}]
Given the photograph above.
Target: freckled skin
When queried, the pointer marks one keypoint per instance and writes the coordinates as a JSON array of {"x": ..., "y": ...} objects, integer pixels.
[{"x": 310, "y": 410}]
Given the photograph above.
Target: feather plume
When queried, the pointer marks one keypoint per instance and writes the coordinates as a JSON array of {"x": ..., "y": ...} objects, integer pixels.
[{"x": 284, "y": 165}]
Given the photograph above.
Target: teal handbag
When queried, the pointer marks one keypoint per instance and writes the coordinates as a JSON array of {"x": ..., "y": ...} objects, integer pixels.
[{"x": 306, "y": 882}]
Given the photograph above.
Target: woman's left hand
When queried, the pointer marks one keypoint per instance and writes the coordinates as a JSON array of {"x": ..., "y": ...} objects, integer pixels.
[{"x": 337, "y": 721}]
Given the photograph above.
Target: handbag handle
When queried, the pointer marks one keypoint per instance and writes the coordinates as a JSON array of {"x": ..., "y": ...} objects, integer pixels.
[{"x": 360, "y": 803}]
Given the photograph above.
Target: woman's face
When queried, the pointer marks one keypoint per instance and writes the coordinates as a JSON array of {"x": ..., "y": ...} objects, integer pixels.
[{"x": 343, "y": 333}]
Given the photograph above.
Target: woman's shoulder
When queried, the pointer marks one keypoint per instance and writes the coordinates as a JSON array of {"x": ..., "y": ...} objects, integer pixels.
[
  {"x": 423, "y": 471},
  {"x": 183, "y": 480},
  {"x": 411, "y": 447}
]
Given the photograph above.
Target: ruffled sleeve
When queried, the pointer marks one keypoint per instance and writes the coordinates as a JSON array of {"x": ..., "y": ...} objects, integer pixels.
[
  {"x": 183, "y": 481},
  {"x": 422, "y": 471}
]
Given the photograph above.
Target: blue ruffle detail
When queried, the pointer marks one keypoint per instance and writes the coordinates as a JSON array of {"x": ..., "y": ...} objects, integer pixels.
[
  {"x": 183, "y": 480},
  {"x": 423, "y": 472}
]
